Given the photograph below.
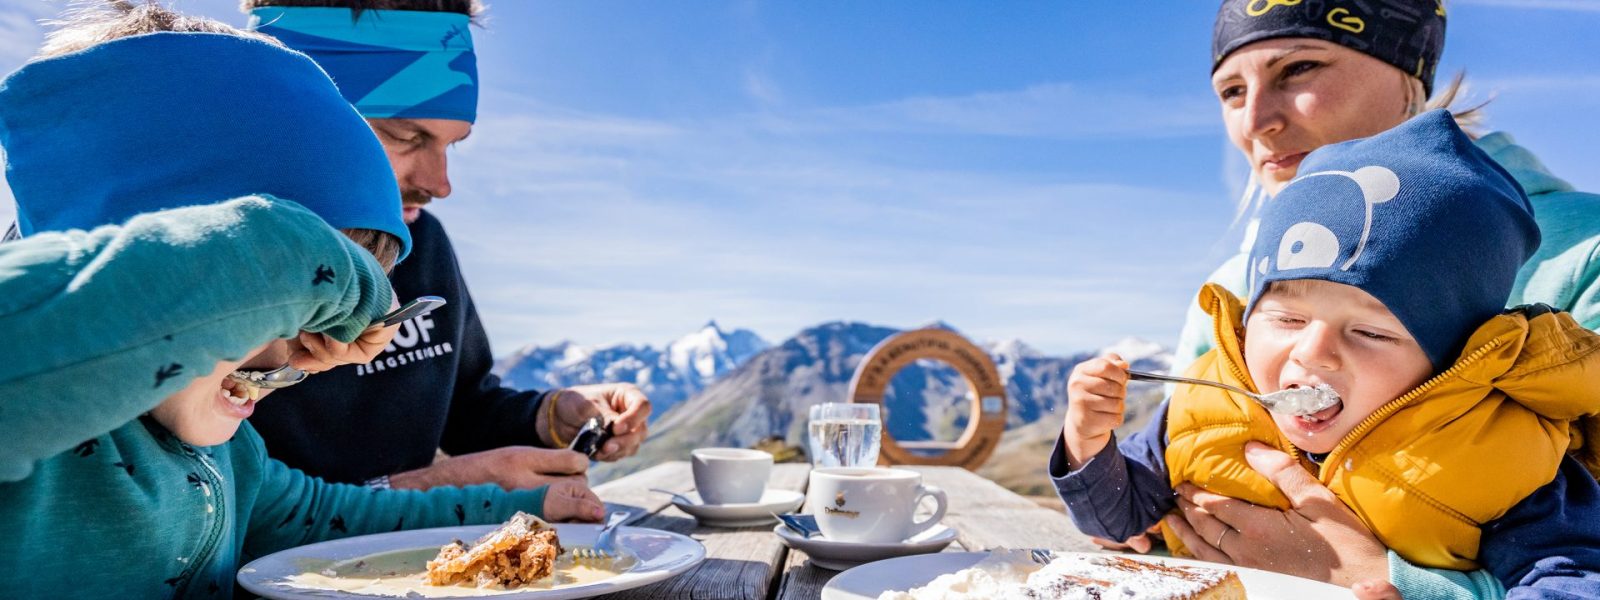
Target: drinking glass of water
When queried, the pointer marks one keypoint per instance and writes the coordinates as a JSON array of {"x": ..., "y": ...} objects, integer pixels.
[{"x": 845, "y": 434}]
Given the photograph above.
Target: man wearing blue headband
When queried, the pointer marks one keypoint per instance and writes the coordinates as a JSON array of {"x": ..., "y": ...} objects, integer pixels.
[
  {"x": 408, "y": 67},
  {"x": 165, "y": 250}
]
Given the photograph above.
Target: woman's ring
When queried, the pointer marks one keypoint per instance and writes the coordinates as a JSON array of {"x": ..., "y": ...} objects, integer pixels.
[{"x": 1225, "y": 532}]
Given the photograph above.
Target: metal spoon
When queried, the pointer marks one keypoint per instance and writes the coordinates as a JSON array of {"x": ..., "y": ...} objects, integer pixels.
[
  {"x": 675, "y": 496},
  {"x": 1295, "y": 402},
  {"x": 286, "y": 375}
]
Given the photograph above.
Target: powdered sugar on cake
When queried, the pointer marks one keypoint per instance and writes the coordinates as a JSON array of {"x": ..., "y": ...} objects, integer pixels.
[{"x": 1073, "y": 577}]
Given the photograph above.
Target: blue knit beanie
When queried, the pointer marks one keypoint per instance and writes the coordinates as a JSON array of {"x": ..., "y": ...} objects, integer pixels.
[
  {"x": 1417, "y": 216},
  {"x": 165, "y": 120}
]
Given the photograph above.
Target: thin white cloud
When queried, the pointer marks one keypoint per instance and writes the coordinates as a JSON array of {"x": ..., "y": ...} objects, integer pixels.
[
  {"x": 1052, "y": 110},
  {"x": 21, "y": 33},
  {"x": 1539, "y": 85},
  {"x": 20, "y": 36},
  {"x": 760, "y": 86},
  {"x": 1568, "y": 5},
  {"x": 603, "y": 230}
]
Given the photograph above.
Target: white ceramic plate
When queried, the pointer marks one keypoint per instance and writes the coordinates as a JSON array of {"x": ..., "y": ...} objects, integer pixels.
[
  {"x": 867, "y": 581},
  {"x": 655, "y": 555},
  {"x": 742, "y": 515},
  {"x": 838, "y": 556}
]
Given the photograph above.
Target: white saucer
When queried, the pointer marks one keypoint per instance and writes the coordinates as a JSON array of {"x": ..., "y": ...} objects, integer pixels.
[
  {"x": 839, "y": 556},
  {"x": 742, "y": 515}
]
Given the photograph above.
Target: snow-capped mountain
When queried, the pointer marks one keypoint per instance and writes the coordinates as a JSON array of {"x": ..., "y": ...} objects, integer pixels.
[
  {"x": 1143, "y": 355},
  {"x": 668, "y": 376},
  {"x": 771, "y": 394},
  {"x": 708, "y": 353}
]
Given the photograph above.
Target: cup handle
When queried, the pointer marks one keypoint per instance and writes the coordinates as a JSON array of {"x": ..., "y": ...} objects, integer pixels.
[{"x": 929, "y": 491}]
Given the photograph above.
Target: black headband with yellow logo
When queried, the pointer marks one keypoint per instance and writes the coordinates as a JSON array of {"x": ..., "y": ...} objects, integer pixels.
[{"x": 1408, "y": 34}]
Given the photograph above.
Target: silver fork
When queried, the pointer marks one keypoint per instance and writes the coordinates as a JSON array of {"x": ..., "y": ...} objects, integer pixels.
[
  {"x": 605, "y": 545},
  {"x": 1293, "y": 401},
  {"x": 1039, "y": 556}
]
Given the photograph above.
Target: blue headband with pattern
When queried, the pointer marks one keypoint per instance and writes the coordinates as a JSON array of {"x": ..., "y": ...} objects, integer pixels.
[{"x": 390, "y": 64}]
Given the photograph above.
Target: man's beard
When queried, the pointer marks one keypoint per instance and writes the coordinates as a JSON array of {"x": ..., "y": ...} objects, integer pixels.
[{"x": 414, "y": 198}]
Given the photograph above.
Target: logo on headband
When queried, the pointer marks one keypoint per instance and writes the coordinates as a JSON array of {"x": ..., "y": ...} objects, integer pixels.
[
  {"x": 456, "y": 32},
  {"x": 1312, "y": 245},
  {"x": 1257, "y": 8},
  {"x": 1341, "y": 18}
]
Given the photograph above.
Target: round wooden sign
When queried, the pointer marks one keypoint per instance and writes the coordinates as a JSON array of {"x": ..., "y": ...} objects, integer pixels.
[{"x": 987, "y": 421}]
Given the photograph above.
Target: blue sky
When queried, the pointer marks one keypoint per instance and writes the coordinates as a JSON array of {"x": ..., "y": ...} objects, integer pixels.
[{"x": 1050, "y": 171}]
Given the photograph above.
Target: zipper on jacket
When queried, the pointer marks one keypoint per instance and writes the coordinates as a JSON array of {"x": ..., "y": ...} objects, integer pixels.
[
  {"x": 1239, "y": 375},
  {"x": 1336, "y": 456},
  {"x": 216, "y": 509}
]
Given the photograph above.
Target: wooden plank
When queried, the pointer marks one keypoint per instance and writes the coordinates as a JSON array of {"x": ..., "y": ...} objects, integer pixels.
[
  {"x": 984, "y": 514},
  {"x": 801, "y": 580},
  {"x": 634, "y": 490},
  {"x": 741, "y": 564},
  {"x": 804, "y": 581},
  {"x": 987, "y": 515}
]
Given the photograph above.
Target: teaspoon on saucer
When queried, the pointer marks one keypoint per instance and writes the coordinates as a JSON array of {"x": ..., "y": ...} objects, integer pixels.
[{"x": 675, "y": 496}]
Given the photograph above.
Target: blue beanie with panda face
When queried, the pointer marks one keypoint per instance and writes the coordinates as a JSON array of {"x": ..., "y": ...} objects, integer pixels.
[{"x": 1417, "y": 216}]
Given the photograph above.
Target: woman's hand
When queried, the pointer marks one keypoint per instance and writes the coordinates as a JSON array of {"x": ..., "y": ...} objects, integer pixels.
[{"x": 1317, "y": 538}]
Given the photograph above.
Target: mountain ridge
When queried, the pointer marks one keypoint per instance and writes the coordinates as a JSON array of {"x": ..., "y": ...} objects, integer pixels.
[
  {"x": 669, "y": 376},
  {"x": 770, "y": 393}
]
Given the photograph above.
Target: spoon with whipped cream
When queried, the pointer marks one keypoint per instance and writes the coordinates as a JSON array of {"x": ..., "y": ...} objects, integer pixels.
[{"x": 1295, "y": 402}]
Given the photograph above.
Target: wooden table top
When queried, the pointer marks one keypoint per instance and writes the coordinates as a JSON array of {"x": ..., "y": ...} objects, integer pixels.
[{"x": 751, "y": 563}]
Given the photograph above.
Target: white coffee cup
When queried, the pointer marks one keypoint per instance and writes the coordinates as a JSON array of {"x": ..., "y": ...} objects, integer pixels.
[
  {"x": 730, "y": 475},
  {"x": 871, "y": 505}
]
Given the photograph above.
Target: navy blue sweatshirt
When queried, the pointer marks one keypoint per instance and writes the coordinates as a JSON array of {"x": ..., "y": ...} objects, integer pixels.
[{"x": 430, "y": 389}]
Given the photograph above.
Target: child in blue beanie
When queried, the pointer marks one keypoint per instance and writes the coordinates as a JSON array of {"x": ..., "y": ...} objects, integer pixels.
[
  {"x": 1459, "y": 436},
  {"x": 178, "y": 190}
]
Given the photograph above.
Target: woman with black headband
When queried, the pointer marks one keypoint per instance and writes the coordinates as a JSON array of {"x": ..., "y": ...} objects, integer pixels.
[{"x": 1293, "y": 76}]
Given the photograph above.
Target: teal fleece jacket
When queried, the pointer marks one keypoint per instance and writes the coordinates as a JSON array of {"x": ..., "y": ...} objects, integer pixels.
[
  {"x": 98, "y": 501},
  {"x": 1564, "y": 273}
]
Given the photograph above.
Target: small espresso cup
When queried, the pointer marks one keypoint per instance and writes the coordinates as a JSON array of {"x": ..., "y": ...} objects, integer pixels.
[
  {"x": 871, "y": 505},
  {"x": 730, "y": 475}
]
